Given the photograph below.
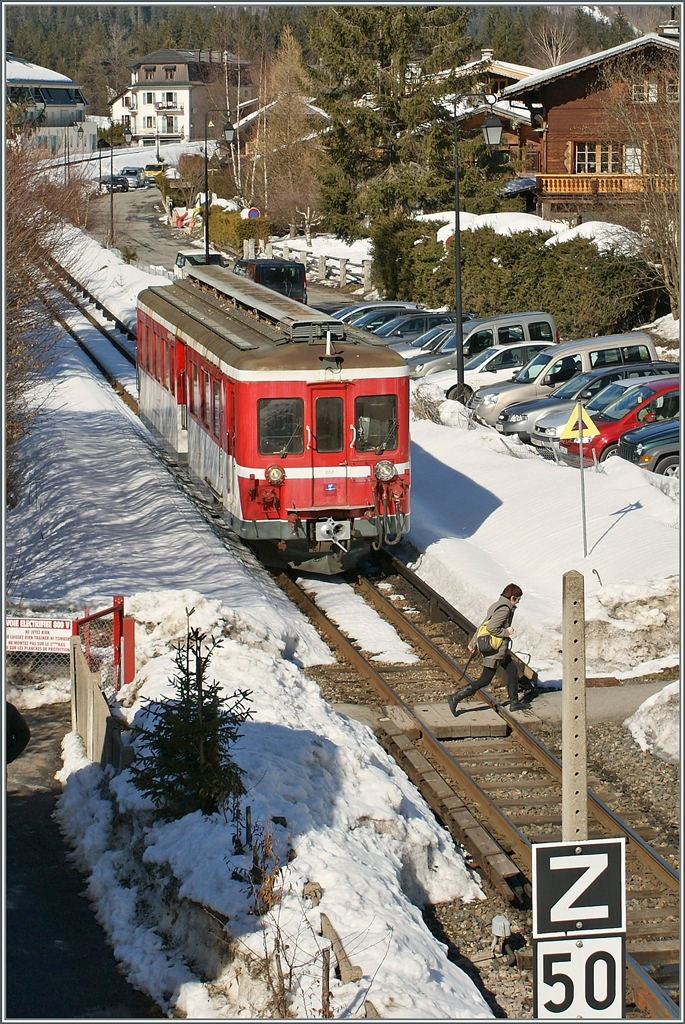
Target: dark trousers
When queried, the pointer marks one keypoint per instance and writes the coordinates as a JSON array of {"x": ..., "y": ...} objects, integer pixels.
[{"x": 486, "y": 676}]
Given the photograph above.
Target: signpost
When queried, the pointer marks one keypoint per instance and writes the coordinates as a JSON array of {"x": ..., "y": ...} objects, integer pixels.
[
  {"x": 578, "y": 420},
  {"x": 579, "y": 925}
]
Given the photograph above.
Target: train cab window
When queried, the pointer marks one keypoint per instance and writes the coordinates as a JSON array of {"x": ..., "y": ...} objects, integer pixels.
[
  {"x": 216, "y": 407},
  {"x": 280, "y": 426},
  {"x": 375, "y": 417},
  {"x": 206, "y": 398},
  {"x": 329, "y": 424}
]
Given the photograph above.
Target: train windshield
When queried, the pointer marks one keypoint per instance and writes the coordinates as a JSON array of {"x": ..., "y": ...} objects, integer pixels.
[
  {"x": 375, "y": 417},
  {"x": 281, "y": 426}
]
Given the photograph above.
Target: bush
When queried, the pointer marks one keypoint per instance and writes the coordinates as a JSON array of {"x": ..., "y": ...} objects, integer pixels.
[
  {"x": 187, "y": 765},
  {"x": 228, "y": 228}
]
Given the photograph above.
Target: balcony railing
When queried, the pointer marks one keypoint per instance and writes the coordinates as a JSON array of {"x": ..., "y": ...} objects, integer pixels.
[
  {"x": 604, "y": 184},
  {"x": 169, "y": 106}
]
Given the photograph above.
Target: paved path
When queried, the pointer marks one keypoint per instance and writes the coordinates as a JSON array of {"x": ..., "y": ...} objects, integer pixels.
[{"x": 58, "y": 964}]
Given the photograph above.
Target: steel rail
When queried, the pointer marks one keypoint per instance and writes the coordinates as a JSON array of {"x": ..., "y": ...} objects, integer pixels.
[
  {"x": 648, "y": 994},
  {"x": 602, "y": 813}
]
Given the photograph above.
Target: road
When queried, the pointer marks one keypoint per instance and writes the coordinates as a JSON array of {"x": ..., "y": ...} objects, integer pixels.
[{"x": 139, "y": 226}]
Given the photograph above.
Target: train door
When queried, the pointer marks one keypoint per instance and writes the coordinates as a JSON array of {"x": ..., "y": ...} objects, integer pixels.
[
  {"x": 326, "y": 443},
  {"x": 229, "y": 407}
]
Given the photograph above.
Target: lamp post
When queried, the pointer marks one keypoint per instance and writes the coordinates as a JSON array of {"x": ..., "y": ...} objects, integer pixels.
[
  {"x": 492, "y": 133},
  {"x": 228, "y": 133},
  {"x": 101, "y": 144}
]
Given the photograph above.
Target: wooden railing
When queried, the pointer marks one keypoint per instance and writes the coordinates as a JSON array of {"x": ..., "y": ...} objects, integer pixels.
[{"x": 604, "y": 184}]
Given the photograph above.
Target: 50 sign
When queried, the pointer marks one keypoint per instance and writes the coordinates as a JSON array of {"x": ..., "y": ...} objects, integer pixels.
[{"x": 580, "y": 978}]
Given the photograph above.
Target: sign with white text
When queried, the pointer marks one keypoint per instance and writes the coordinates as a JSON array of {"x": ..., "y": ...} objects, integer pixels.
[
  {"x": 579, "y": 888},
  {"x": 38, "y": 635}
]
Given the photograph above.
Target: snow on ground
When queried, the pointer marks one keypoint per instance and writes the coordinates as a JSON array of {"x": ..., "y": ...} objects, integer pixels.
[
  {"x": 99, "y": 516},
  {"x": 655, "y": 726}
]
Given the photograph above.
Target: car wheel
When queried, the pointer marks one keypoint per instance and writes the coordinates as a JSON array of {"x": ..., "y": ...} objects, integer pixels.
[
  {"x": 460, "y": 393},
  {"x": 669, "y": 466},
  {"x": 609, "y": 451}
]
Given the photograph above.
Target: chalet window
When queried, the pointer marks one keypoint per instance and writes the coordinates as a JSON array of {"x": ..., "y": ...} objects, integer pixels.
[
  {"x": 672, "y": 92},
  {"x": 644, "y": 90},
  {"x": 633, "y": 160},
  {"x": 149, "y": 74},
  {"x": 598, "y": 158},
  {"x": 169, "y": 73}
]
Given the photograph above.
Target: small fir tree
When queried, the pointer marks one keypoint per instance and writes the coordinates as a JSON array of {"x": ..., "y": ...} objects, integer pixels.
[{"x": 187, "y": 765}]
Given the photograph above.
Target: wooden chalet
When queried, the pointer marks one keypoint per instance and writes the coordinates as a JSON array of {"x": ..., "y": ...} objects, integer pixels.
[{"x": 594, "y": 162}]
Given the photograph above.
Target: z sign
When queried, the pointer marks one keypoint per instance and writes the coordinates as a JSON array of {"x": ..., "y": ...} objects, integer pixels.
[{"x": 579, "y": 888}]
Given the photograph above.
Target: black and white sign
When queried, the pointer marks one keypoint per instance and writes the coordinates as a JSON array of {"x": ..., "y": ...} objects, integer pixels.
[
  {"x": 579, "y": 888},
  {"x": 579, "y": 977}
]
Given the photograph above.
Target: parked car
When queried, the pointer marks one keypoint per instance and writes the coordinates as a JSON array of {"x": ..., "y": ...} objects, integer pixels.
[
  {"x": 481, "y": 334},
  {"x": 194, "y": 258},
  {"x": 488, "y": 367},
  {"x": 347, "y": 312},
  {"x": 557, "y": 364},
  {"x": 114, "y": 183},
  {"x": 152, "y": 170},
  {"x": 370, "y": 320},
  {"x": 137, "y": 178},
  {"x": 285, "y": 276},
  {"x": 408, "y": 327},
  {"x": 655, "y": 446},
  {"x": 522, "y": 417},
  {"x": 429, "y": 340},
  {"x": 652, "y": 400}
]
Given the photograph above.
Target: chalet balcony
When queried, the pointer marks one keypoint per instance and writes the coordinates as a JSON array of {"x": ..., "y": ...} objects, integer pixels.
[
  {"x": 604, "y": 184},
  {"x": 176, "y": 107}
]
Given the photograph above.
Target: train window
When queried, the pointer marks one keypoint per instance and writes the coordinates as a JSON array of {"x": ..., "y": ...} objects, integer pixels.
[
  {"x": 170, "y": 362},
  {"x": 206, "y": 398},
  {"x": 160, "y": 360},
  {"x": 216, "y": 407},
  {"x": 329, "y": 424},
  {"x": 194, "y": 389},
  {"x": 281, "y": 426},
  {"x": 376, "y": 423}
]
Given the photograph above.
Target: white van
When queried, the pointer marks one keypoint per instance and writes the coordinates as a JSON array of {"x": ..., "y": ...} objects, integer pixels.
[
  {"x": 557, "y": 364},
  {"x": 195, "y": 258},
  {"x": 488, "y": 367}
]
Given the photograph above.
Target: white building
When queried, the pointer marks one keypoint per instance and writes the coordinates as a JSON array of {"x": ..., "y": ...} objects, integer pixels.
[
  {"x": 51, "y": 105},
  {"x": 171, "y": 90}
]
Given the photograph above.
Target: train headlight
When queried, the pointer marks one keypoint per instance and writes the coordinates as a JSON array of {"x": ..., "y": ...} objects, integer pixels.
[
  {"x": 275, "y": 475},
  {"x": 385, "y": 471}
]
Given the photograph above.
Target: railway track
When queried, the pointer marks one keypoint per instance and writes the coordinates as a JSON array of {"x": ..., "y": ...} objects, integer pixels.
[{"x": 485, "y": 775}]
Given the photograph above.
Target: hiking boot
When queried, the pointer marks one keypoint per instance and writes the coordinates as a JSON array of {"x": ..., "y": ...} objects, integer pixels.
[
  {"x": 454, "y": 698},
  {"x": 517, "y": 705}
]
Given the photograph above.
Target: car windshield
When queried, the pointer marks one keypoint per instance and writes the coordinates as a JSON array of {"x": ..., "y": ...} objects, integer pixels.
[
  {"x": 572, "y": 388},
  {"x": 447, "y": 344},
  {"x": 630, "y": 400},
  {"x": 430, "y": 338},
  {"x": 479, "y": 359},
  {"x": 607, "y": 396},
  {"x": 532, "y": 370}
]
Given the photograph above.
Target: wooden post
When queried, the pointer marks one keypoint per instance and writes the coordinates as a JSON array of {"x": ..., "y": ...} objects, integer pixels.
[
  {"x": 286, "y": 251},
  {"x": 343, "y": 272},
  {"x": 326, "y": 983},
  {"x": 250, "y": 248},
  {"x": 573, "y": 711},
  {"x": 366, "y": 275},
  {"x": 268, "y": 250},
  {"x": 246, "y": 252},
  {"x": 322, "y": 268}
]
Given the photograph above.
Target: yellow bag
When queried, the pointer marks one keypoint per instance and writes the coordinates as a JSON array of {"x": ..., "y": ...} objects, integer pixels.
[{"x": 487, "y": 643}]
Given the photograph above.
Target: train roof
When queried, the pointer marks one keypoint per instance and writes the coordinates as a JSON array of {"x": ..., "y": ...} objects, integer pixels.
[{"x": 240, "y": 339}]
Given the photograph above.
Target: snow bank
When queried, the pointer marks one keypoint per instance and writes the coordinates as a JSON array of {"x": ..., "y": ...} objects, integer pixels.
[{"x": 655, "y": 726}]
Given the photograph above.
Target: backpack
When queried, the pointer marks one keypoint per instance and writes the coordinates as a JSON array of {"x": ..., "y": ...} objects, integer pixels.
[{"x": 487, "y": 643}]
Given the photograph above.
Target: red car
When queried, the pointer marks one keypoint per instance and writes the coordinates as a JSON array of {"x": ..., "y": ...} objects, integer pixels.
[{"x": 653, "y": 398}]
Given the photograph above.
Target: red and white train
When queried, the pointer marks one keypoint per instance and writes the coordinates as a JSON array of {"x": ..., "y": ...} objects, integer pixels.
[{"x": 296, "y": 423}]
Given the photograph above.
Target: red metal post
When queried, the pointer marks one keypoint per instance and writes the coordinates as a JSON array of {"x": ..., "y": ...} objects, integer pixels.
[{"x": 118, "y": 630}]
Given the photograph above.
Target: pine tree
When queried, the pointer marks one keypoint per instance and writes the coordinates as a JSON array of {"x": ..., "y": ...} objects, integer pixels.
[{"x": 187, "y": 765}]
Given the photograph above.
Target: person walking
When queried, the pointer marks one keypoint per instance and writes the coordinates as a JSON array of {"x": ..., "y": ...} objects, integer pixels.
[
  {"x": 18, "y": 732},
  {"x": 498, "y": 619}
]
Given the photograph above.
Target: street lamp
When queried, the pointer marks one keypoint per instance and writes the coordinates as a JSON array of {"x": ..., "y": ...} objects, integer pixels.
[
  {"x": 101, "y": 144},
  {"x": 128, "y": 135},
  {"x": 492, "y": 133},
  {"x": 228, "y": 133}
]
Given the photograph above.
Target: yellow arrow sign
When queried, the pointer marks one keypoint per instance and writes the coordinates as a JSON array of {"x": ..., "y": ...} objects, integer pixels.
[{"x": 571, "y": 429}]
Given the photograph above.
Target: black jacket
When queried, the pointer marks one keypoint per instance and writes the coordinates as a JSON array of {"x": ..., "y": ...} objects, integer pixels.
[{"x": 18, "y": 732}]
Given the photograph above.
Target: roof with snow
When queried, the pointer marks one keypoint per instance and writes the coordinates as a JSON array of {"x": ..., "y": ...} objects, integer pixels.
[
  {"x": 23, "y": 72},
  {"x": 561, "y": 70}
]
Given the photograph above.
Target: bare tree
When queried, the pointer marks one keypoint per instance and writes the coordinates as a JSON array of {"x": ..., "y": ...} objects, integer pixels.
[
  {"x": 552, "y": 39},
  {"x": 642, "y": 117}
]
